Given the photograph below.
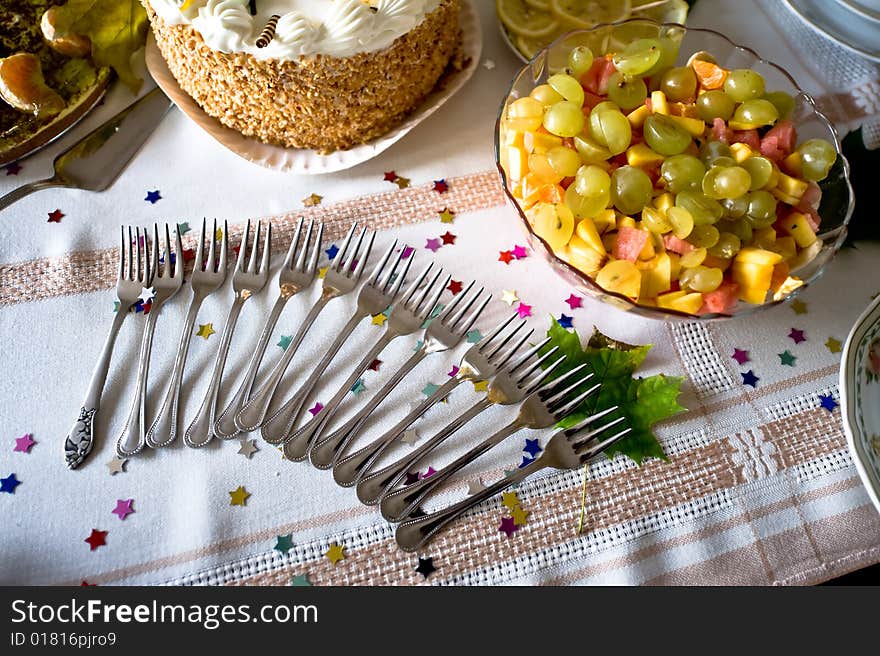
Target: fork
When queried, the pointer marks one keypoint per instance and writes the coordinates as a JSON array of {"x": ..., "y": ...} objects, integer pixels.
[
  {"x": 129, "y": 283},
  {"x": 372, "y": 299},
  {"x": 245, "y": 283},
  {"x": 511, "y": 385},
  {"x": 537, "y": 411},
  {"x": 567, "y": 449},
  {"x": 445, "y": 332},
  {"x": 293, "y": 278},
  {"x": 406, "y": 316},
  {"x": 341, "y": 278},
  {"x": 166, "y": 284},
  {"x": 207, "y": 278},
  {"x": 480, "y": 362}
]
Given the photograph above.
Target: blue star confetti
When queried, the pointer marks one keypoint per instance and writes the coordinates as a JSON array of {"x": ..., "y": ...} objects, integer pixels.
[
  {"x": 565, "y": 321},
  {"x": 526, "y": 461},
  {"x": 153, "y": 197},
  {"x": 532, "y": 447},
  {"x": 332, "y": 252},
  {"x": 749, "y": 378},
  {"x": 9, "y": 484},
  {"x": 827, "y": 401}
]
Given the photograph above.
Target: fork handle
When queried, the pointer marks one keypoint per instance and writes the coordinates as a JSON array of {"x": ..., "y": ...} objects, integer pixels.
[
  {"x": 275, "y": 430},
  {"x": 326, "y": 452},
  {"x": 26, "y": 190},
  {"x": 131, "y": 441},
  {"x": 163, "y": 431},
  {"x": 81, "y": 438},
  {"x": 301, "y": 441},
  {"x": 225, "y": 427},
  {"x": 399, "y": 504},
  {"x": 372, "y": 488},
  {"x": 200, "y": 432},
  {"x": 254, "y": 411},
  {"x": 349, "y": 470},
  {"x": 413, "y": 534}
]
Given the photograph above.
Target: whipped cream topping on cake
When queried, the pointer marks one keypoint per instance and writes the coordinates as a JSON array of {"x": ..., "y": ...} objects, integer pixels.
[{"x": 339, "y": 28}]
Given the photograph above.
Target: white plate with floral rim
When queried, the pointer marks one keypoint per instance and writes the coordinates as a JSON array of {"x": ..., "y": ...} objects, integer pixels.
[
  {"x": 305, "y": 161},
  {"x": 860, "y": 397}
]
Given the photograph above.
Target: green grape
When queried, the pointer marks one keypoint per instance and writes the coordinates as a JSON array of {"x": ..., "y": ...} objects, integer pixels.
[
  {"x": 654, "y": 220},
  {"x": 580, "y": 59},
  {"x": 564, "y": 161},
  {"x": 546, "y": 95},
  {"x": 564, "y": 119},
  {"x": 605, "y": 104},
  {"x": 668, "y": 55},
  {"x": 760, "y": 168},
  {"x": 728, "y": 245},
  {"x": 638, "y": 57},
  {"x": 782, "y": 101},
  {"x": 591, "y": 180},
  {"x": 627, "y": 93},
  {"x": 704, "y": 236},
  {"x": 665, "y": 136},
  {"x": 693, "y": 259},
  {"x": 682, "y": 172},
  {"x": 817, "y": 158},
  {"x": 612, "y": 129},
  {"x": 715, "y": 104},
  {"x": 726, "y": 182},
  {"x": 704, "y": 210},
  {"x": 702, "y": 279},
  {"x": 682, "y": 221},
  {"x": 755, "y": 114},
  {"x": 679, "y": 84},
  {"x": 762, "y": 209},
  {"x": 630, "y": 189},
  {"x": 567, "y": 87},
  {"x": 590, "y": 151},
  {"x": 741, "y": 228},
  {"x": 735, "y": 208},
  {"x": 585, "y": 206},
  {"x": 724, "y": 161},
  {"x": 712, "y": 150},
  {"x": 744, "y": 84}
]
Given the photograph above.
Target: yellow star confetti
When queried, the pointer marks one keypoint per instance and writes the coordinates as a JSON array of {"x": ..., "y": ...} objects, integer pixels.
[
  {"x": 833, "y": 345},
  {"x": 446, "y": 216},
  {"x": 206, "y": 330},
  {"x": 509, "y": 296},
  {"x": 379, "y": 319},
  {"x": 402, "y": 183},
  {"x": 519, "y": 516},
  {"x": 481, "y": 385},
  {"x": 799, "y": 306},
  {"x": 322, "y": 272},
  {"x": 238, "y": 496},
  {"x": 218, "y": 234},
  {"x": 312, "y": 199},
  {"x": 510, "y": 500},
  {"x": 335, "y": 553}
]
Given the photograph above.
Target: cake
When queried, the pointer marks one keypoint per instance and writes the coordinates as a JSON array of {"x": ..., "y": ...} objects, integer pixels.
[{"x": 319, "y": 74}]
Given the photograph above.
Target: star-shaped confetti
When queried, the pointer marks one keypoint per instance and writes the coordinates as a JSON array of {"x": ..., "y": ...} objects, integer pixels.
[
  {"x": 429, "y": 389},
  {"x": 455, "y": 287},
  {"x": 474, "y": 336},
  {"x": 430, "y": 471},
  {"x": 489, "y": 64},
  {"x": 300, "y": 581},
  {"x": 749, "y": 378},
  {"x": 374, "y": 365},
  {"x": 358, "y": 387},
  {"x": 433, "y": 245},
  {"x": 55, "y": 216},
  {"x": 24, "y": 443},
  {"x": 574, "y": 302},
  {"x": 322, "y": 272},
  {"x": 205, "y": 330},
  {"x": 13, "y": 169},
  {"x": 526, "y": 461},
  {"x": 454, "y": 371},
  {"x": 183, "y": 228},
  {"x": 509, "y": 296},
  {"x": 123, "y": 508},
  {"x": 519, "y": 516},
  {"x": 411, "y": 478},
  {"x": 379, "y": 319},
  {"x": 797, "y": 336},
  {"x": 799, "y": 306},
  {"x": 96, "y": 539},
  {"x": 426, "y": 566},
  {"x": 786, "y": 358},
  {"x": 147, "y": 294},
  {"x": 402, "y": 183},
  {"x": 508, "y": 526},
  {"x": 390, "y": 176},
  {"x": 332, "y": 252},
  {"x": 285, "y": 341},
  {"x": 407, "y": 251},
  {"x": 532, "y": 447},
  {"x": 475, "y": 486},
  {"x": 410, "y": 436},
  {"x": 116, "y": 465},
  {"x": 564, "y": 321},
  {"x": 740, "y": 356},
  {"x": 238, "y": 496},
  {"x": 446, "y": 215},
  {"x": 315, "y": 409},
  {"x": 312, "y": 200},
  {"x": 440, "y": 186},
  {"x": 9, "y": 484},
  {"x": 283, "y": 543},
  {"x": 505, "y": 256},
  {"x": 827, "y": 401},
  {"x": 833, "y": 345},
  {"x": 188, "y": 255},
  {"x": 523, "y": 310},
  {"x": 247, "y": 448},
  {"x": 335, "y": 553},
  {"x": 153, "y": 197},
  {"x": 448, "y": 238},
  {"x": 510, "y": 500},
  {"x": 481, "y": 386},
  {"x": 519, "y": 252}
]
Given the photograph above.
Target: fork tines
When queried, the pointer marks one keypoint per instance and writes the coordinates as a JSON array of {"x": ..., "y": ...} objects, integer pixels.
[
  {"x": 589, "y": 444},
  {"x": 211, "y": 264},
  {"x": 302, "y": 252},
  {"x": 255, "y": 247},
  {"x": 347, "y": 261}
]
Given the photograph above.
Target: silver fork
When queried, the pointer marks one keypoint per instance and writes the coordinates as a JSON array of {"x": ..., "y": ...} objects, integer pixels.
[
  {"x": 480, "y": 362},
  {"x": 294, "y": 277},
  {"x": 567, "y": 449},
  {"x": 342, "y": 278},
  {"x": 445, "y": 332},
  {"x": 245, "y": 283},
  {"x": 541, "y": 409},
  {"x": 207, "y": 277},
  {"x": 372, "y": 299},
  {"x": 129, "y": 283},
  {"x": 511, "y": 385},
  {"x": 166, "y": 284}
]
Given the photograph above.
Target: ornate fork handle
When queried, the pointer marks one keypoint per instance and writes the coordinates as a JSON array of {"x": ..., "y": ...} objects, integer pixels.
[
  {"x": 399, "y": 504},
  {"x": 325, "y": 452},
  {"x": 373, "y": 487},
  {"x": 81, "y": 438},
  {"x": 412, "y": 534},
  {"x": 133, "y": 431},
  {"x": 348, "y": 470}
]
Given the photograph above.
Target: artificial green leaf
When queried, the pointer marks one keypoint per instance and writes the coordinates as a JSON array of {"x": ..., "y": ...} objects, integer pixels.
[
  {"x": 641, "y": 401},
  {"x": 117, "y": 28}
]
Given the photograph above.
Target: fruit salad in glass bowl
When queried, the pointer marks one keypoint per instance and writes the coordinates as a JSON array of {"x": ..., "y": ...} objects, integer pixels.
[{"x": 671, "y": 172}]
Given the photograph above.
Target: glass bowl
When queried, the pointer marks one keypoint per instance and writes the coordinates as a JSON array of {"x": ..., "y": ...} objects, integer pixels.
[{"x": 837, "y": 201}]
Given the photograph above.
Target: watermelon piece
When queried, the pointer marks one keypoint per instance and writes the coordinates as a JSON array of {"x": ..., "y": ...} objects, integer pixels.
[
  {"x": 630, "y": 242},
  {"x": 590, "y": 79},
  {"x": 720, "y": 131},
  {"x": 809, "y": 205},
  {"x": 749, "y": 137},
  {"x": 591, "y": 100},
  {"x": 778, "y": 143},
  {"x": 722, "y": 300},
  {"x": 605, "y": 75},
  {"x": 676, "y": 245}
]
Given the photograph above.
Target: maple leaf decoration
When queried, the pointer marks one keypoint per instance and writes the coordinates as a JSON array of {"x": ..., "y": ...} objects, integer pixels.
[{"x": 642, "y": 401}]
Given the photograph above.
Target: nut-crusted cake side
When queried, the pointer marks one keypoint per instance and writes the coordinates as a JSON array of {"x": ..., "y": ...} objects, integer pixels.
[{"x": 320, "y": 102}]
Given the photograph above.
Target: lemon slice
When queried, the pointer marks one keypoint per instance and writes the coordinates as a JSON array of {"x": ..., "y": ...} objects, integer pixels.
[
  {"x": 662, "y": 11},
  {"x": 522, "y": 19},
  {"x": 588, "y": 13},
  {"x": 542, "y": 5}
]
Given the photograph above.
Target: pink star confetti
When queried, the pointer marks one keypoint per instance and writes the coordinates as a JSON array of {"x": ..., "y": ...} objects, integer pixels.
[
  {"x": 519, "y": 252},
  {"x": 24, "y": 443},
  {"x": 508, "y": 526},
  {"x": 453, "y": 372},
  {"x": 574, "y": 302},
  {"x": 505, "y": 256},
  {"x": 123, "y": 508},
  {"x": 407, "y": 251},
  {"x": 433, "y": 245},
  {"x": 316, "y": 408},
  {"x": 524, "y": 310},
  {"x": 448, "y": 238},
  {"x": 740, "y": 356},
  {"x": 797, "y": 336},
  {"x": 430, "y": 471}
]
